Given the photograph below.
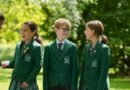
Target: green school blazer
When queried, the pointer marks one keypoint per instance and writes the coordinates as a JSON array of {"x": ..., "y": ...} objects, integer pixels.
[
  {"x": 62, "y": 69},
  {"x": 95, "y": 67},
  {"x": 26, "y": 65}
]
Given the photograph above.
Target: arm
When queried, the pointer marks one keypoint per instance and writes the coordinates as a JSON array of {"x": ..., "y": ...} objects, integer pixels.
[
  {"x": 74, "y": 68},
  {"x": 37, "y": 64},
  {"x": 11, "y": 63},
  {"x": 82, "y": 68},
  {"x": 45, "y": 69},
  {"x": 104, "y": 68},
  {"x": 81, "y": 76}
]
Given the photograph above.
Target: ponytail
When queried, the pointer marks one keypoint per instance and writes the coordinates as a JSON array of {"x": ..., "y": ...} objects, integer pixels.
[
  {"x": 104, "y": 39},
  {"x": 38, "y": 39}
]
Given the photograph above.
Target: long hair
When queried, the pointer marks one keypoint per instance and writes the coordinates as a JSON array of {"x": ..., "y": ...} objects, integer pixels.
[
  {"x": 98, "y": 27},
  {"x": 33, "y": 27}
]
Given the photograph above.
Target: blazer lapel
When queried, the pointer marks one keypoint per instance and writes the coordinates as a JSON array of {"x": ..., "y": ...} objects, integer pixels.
[
  {"x": 54, "y": 49},
  {"x": 88, "y": 55},
  {"x": 18, "y": 50},
  {"x": 95, "y": 55},
  {"x": 28, "y": 48},
  {"x": 65, "y": 49},
  {"x": 97, "y": 49}
]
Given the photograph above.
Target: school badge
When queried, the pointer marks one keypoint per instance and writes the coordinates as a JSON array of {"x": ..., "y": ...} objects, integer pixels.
[
  {"x": 67, "y": 60},
  {"x": 27, "y": 57},
  {"x": 94, "y": 63}
]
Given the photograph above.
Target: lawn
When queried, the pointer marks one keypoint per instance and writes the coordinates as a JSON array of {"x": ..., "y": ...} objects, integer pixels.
[
  {"x": 5, "y": 75},
  {"x": 115, "y": 83},
  {"x": 120, "y": 83}
]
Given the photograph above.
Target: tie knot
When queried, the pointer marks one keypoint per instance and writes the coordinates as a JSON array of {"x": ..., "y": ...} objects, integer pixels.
[{"x": 60, "y": 44}]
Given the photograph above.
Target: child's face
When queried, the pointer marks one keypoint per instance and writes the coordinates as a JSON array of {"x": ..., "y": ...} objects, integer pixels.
[
  {"x": 62, "y": 33},
  {"x": 88, "y": 33},
  {"x": 26, "y": 33}
]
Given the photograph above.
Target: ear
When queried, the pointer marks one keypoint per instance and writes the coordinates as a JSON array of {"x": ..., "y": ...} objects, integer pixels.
[
  {"x": 93, "y": 31},
  {"x": 55, "y": 29}
]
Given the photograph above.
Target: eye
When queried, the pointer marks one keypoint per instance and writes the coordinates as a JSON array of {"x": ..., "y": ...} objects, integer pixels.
[{"x": 23, "y": 30}]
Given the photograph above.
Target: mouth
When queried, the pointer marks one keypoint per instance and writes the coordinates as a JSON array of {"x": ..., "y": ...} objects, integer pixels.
[{"x": 23, "y": 36}]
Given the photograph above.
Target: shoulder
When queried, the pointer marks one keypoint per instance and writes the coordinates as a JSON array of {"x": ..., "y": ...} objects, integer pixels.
[
  {"x": 19, "y": 43},
  {"x": 36, "y": 45},
  {"x": 49, "y": 45},
  {"x": 104, "y": 46},
  {"x": 87, "y": 46},
  {"x": 72, "y": 44}
]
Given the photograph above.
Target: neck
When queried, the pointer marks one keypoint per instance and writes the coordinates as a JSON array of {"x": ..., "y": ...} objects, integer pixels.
[
  {"x": 27, "y": 42},
  {"x": 60, "y": 39},
  {"x": 94, "y": 41}
]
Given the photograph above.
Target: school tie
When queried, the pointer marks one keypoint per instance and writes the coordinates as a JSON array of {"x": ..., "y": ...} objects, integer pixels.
[{"x": 60, "y": 48}]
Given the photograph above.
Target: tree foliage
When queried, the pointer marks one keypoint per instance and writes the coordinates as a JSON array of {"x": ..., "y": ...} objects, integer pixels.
[
  {"x": 115, "y": 16},
  {"x": 16, "y": 12},
  {"x": 113, "y": 13}
]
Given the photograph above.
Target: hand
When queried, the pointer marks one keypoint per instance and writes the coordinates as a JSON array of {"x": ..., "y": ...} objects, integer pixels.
[
  {"x": 4, "y": 64},
  {"x": 25, "y": 85}
]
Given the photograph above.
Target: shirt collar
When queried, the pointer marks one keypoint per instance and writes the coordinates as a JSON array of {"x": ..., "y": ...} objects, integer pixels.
[{"x": 57, "y": 41}]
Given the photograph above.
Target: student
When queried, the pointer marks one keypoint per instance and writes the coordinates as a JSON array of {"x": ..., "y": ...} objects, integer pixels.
[
  {"x": 61, "y": 60},
  {"x": 2, "y": 19},
  {"x": 96, "y": 58},
  {"x": 27, "y": 60}
]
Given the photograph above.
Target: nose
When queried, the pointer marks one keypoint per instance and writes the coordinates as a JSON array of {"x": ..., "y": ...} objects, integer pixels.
[
  {"x": 84, "y": 31},
  {"x": 21, "y": 31}
]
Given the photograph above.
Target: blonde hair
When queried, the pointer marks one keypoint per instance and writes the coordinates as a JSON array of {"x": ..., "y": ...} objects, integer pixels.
[{"x": 62, "y": 22}]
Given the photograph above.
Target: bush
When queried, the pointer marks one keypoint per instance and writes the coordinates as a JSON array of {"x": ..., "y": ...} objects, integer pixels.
[{"x": 6, "y": 52}]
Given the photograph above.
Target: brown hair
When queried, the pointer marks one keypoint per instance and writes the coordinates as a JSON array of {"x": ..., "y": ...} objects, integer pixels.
[
  {"x": 62, "y": 22},
  {"x": 98, "y": 27},
  {"x": 33, "y": 27},
  {"x": 2, "y": 17}
]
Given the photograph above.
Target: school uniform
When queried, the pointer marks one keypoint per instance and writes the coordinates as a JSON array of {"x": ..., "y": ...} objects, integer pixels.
[
  {"x": 60, "y": 71},
  {"x": 94, "y": 72},
  {"x": 26, "y": 65}
]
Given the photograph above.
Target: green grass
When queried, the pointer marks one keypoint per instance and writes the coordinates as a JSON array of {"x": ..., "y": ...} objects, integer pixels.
[
  {"x": 5, "y": 75},
  {"x": 118, "y": 83}
]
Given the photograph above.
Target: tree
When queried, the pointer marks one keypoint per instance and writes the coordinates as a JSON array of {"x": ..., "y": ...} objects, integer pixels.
[
  {"x": 115, "y": 16},
  {"x": 17, "y": 12}
]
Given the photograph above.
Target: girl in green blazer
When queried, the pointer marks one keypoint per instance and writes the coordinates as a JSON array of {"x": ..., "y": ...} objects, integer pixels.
[
  {"x": 27, "y": 59},
  {"x": 94, "y": 74}
]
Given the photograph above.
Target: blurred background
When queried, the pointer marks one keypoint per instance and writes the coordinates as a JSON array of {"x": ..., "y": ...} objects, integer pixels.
[{"x": 114, "y": 14}]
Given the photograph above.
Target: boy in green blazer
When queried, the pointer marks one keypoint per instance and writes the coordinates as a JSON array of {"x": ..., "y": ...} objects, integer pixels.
[
  {"x": 27, "y": 59},
  {"x": 61, "y": 60},
  {"x": 94, "y": 74}
]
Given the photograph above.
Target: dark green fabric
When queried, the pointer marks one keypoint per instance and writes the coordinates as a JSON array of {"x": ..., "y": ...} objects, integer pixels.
[
  {"x": 27, "y": 65},
  {"x": 61, "y": 70},
  {"x": 95, "y": 67}
]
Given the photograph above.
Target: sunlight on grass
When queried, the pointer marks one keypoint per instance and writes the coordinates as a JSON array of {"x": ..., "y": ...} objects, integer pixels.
[{"x": 120, "y": 83}]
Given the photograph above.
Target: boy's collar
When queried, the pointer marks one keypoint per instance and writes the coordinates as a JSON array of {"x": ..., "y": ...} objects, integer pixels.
[{"x": 57, "y": 41}]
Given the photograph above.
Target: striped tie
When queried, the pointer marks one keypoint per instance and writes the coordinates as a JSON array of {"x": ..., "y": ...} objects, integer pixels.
[{"x": 60, "y": 48}]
